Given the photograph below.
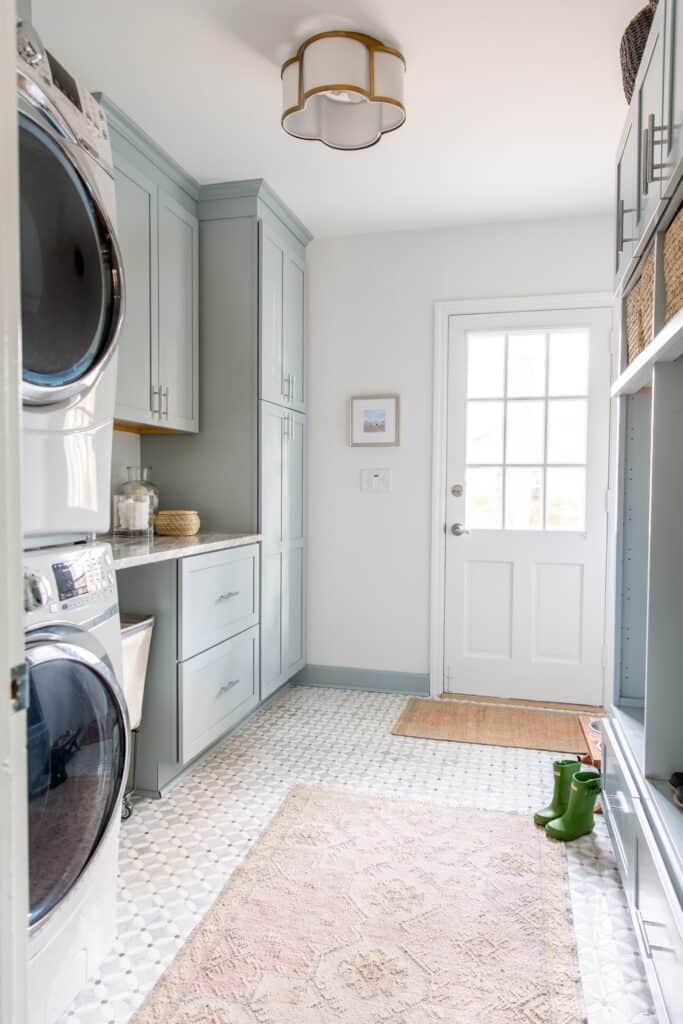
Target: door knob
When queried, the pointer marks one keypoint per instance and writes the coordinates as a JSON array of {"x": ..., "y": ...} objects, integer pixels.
[{"x": 457, "y": 529}]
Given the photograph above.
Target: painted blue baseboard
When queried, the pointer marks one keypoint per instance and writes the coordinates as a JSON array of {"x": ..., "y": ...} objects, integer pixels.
[{"x": 362, "y": 679}]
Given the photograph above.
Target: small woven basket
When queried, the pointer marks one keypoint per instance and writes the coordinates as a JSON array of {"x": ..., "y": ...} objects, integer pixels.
[
  {"x": 177, "y": 523},
  {"x": 634, "y": 333},
  {"x": 673, "y": 267},
  {"x": 633, "y": 44}
]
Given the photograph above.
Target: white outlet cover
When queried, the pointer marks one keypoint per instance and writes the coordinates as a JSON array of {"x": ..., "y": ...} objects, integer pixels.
[{"x": 375, "y": 481}]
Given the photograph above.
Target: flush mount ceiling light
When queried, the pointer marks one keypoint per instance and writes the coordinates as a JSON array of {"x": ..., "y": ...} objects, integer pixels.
[{"x": 344, "y": 89}]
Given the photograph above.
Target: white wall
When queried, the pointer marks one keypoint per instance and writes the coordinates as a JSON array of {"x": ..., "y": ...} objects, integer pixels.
[
  {"x": 125, "y": 452},
  {"x": 371, "y": 330}
]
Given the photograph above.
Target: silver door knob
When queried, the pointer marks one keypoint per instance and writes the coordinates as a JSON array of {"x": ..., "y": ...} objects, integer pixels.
[{"x": 457, "y": 529}]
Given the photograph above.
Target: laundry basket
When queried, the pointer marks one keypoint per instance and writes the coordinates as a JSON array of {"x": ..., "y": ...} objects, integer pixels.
[{"x": 136, "y": 637}]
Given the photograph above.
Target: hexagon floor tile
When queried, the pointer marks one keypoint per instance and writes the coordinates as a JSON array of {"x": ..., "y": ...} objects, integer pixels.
[{"x": 177, "y": 853}]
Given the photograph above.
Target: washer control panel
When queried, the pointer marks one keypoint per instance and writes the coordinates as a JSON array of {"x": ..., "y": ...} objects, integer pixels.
[{"x": 66, "y": 579}]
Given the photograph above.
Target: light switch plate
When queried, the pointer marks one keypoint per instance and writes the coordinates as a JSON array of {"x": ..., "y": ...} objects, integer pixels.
[{"x": 375, "y": 481}]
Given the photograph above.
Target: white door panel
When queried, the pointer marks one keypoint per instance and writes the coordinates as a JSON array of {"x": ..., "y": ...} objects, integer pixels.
[{"x": 527, "y": 453}]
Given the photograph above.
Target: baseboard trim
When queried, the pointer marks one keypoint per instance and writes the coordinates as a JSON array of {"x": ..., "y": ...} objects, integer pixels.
[{"x": 374, "y": 680}]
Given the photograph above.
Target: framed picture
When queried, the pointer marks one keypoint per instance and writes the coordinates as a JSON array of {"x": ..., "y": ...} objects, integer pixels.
[{"x": 374, "y": 421}]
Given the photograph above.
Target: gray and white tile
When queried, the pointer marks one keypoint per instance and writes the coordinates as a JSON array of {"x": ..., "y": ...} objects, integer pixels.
[{"x": 178, "y": 853}]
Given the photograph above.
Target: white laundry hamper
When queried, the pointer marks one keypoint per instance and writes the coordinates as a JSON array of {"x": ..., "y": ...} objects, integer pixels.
[{"x": 136, "y": 639}]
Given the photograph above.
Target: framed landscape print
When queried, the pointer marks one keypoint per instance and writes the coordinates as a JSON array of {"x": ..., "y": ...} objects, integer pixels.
[{"x": 374, "y": 421}]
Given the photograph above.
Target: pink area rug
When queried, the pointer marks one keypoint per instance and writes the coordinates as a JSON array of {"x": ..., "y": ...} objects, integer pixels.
[{"x": 372, "y": 910}]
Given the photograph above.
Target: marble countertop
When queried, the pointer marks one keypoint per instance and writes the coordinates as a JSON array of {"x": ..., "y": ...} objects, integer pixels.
[{"x": 131, "y": 552}]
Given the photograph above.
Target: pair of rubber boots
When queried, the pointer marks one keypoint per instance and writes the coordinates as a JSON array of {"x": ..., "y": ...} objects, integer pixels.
[{"x": 571, "y": 812}]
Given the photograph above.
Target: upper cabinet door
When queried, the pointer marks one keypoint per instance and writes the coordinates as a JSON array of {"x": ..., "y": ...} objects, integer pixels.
[
  {"x": 649, "y": 106},
  {"x": 673, "y": 94},
  {"x": 271, "y": 274},
  {"x": 136, "y": 201},
  {"x": 178, "y": 316},
  {"x": 627, "y": 197},
  {"x": 293, "y": 320}
]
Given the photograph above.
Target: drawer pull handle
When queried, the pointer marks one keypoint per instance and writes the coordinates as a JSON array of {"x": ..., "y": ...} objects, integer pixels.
[
  {"x": 227, "y": 686},
  {"x": 228, "y": 596}
]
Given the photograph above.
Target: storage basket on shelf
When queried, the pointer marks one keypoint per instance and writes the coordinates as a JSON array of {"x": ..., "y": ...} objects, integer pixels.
[
  {"x": 639, "y": 310},
  {"x": 633, "y": 44},
  {"x": 673, "y": 266},
  {"x": 177, "y": 523}
]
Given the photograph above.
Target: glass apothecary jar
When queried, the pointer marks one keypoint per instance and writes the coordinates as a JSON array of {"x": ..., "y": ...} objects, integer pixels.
[{"x": 135, "y": 504}]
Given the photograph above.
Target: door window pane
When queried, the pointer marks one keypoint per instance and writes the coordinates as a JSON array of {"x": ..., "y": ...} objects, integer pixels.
[
  {"x": 526, "y": 365},
  {"x": 568, "y": 369},
  {"x": 525, "y": 432},
  {"x": 485, "y": 365},
  {"x": 566, "y": 498},
  {"x": 484, "y": 432},
  {"x": 484, "y": 498},
  {"x": 567, "y": 422},
  {"x": 524, "y": 499}
]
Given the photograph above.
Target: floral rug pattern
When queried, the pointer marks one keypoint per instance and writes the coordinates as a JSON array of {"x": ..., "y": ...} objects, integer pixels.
[{"x": 373, "y": 910}]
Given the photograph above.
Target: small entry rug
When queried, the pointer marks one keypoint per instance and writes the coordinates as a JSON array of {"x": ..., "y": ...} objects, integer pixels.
[
  {"x": 497, "y": 725},
  {"x": 372, "y": 910}
]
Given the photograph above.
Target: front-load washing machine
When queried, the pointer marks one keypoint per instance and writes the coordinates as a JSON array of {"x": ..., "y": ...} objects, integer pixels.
[
  {"x": 71, "y": 299},
  {"x": 77, "y": 765}
]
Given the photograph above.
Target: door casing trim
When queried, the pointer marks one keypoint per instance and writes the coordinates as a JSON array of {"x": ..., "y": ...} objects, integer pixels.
[{"x": 443, "y": 311}]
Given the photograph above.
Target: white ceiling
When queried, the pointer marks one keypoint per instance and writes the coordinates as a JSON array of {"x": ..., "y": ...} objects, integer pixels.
[{"x": 514, "y": 106}]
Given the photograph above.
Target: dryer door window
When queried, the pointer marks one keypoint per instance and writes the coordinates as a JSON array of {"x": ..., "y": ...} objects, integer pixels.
[
  {"x": 70, "y": 278},
  {"x": 76, "y": 762}
]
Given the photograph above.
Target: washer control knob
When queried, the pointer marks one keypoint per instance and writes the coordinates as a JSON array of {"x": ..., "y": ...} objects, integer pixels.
[
  {"x": 29, "y": 46},
  {"x": 36, "y": 592}
]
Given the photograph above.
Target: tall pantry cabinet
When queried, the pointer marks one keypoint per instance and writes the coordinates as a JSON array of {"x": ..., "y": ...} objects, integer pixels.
[{"x": 245, "y": 470}]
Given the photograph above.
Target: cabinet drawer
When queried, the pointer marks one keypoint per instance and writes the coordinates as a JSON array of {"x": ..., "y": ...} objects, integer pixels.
[
  {"x": 218, "y": 597},
  {"x": 659, "y": 921},
  {"x": 618, "y": 797},
  {"x": 214, "y": 686}
]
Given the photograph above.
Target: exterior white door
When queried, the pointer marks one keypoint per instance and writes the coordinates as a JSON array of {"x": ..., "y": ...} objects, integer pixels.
[
  {"x": 526, "y": 508},
  {"x": 13, "y": 796}
]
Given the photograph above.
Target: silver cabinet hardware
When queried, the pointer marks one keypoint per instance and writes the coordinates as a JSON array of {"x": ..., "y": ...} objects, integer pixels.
[
  {"x": 457, "y": 529},
  {"x": 228, "y": 595},
  {"x": 653, "y": 135},
  {"x": 457, "y": 490},
  {"x": 645, "y": 158},
  {"x": 287, "y": 427},
  {"x": 164, "y": 398},
  {"x": 292, "y": 388},
  {"x": 621, "y": 240},
  {"x": 227, "y": 686},
  {"x": 155, "y": 402},
  {"x": 287, "y": 387}
]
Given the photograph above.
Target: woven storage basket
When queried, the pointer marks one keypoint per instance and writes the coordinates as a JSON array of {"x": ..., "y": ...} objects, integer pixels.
[
  {"x": 647, "y": 299},
  {"x": 633, "y": 44},
  {"x": 177, "y": 523},
  {"x": 673, "y": 267},
  {"x": 634, "y": 332}
]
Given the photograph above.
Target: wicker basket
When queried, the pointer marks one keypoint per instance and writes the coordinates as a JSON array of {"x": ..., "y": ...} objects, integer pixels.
[
  {"x": 647, "y": 299},
  {"x": 634, "y": 332},
  {"x": 177, "y": 523},
  {"x": 633, "y": 44},
  {"x": 673, "y": 267}
]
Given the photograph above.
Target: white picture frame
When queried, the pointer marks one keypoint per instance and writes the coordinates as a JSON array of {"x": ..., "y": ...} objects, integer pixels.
[{"x": 374, "y": 421}]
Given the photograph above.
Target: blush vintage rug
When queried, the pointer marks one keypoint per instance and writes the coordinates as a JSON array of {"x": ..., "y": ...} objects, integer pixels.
[{"x": 372, "y": 910}]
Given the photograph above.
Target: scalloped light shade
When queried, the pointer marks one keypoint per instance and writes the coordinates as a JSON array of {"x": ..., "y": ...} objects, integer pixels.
[{"x": 344, "y": 89}]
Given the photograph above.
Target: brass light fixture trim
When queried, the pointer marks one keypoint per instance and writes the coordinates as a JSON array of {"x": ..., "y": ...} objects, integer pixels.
[{"x": 316, "y": 108}]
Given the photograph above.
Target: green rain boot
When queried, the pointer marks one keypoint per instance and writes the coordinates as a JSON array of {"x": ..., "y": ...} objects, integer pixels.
[
  {"x": 578, "y": 819},
  {"x": 564, "y": 772}
]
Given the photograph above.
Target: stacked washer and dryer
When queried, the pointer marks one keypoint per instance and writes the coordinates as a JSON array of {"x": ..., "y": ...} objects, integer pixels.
[{"x": 72, "y": 308}]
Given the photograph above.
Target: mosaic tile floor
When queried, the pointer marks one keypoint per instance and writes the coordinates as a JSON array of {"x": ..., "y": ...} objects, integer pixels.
[{"x": 178, "y": 853}]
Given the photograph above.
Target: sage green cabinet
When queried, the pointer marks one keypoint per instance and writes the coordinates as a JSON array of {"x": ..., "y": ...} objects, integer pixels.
[
  {"x": 158, "y": 375},
  {"x": 649, "y": 106},
  {"x": 281, "y": 285},
  {"x": 673, "y": 95},
  {"x": 283, "y": 489},
  {"x": 138, "y": 341},
  {"x": 178, "y": 375},
  {"x": 627, "y": 197}
]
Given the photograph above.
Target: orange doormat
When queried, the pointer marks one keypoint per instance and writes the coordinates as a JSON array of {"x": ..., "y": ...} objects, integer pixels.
[{"x": 498, "y": 725}]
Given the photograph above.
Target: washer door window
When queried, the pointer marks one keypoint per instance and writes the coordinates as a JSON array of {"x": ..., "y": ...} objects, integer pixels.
[
  {"x": 76, "y": 763},
  {"x": 70, "y": 271}
]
